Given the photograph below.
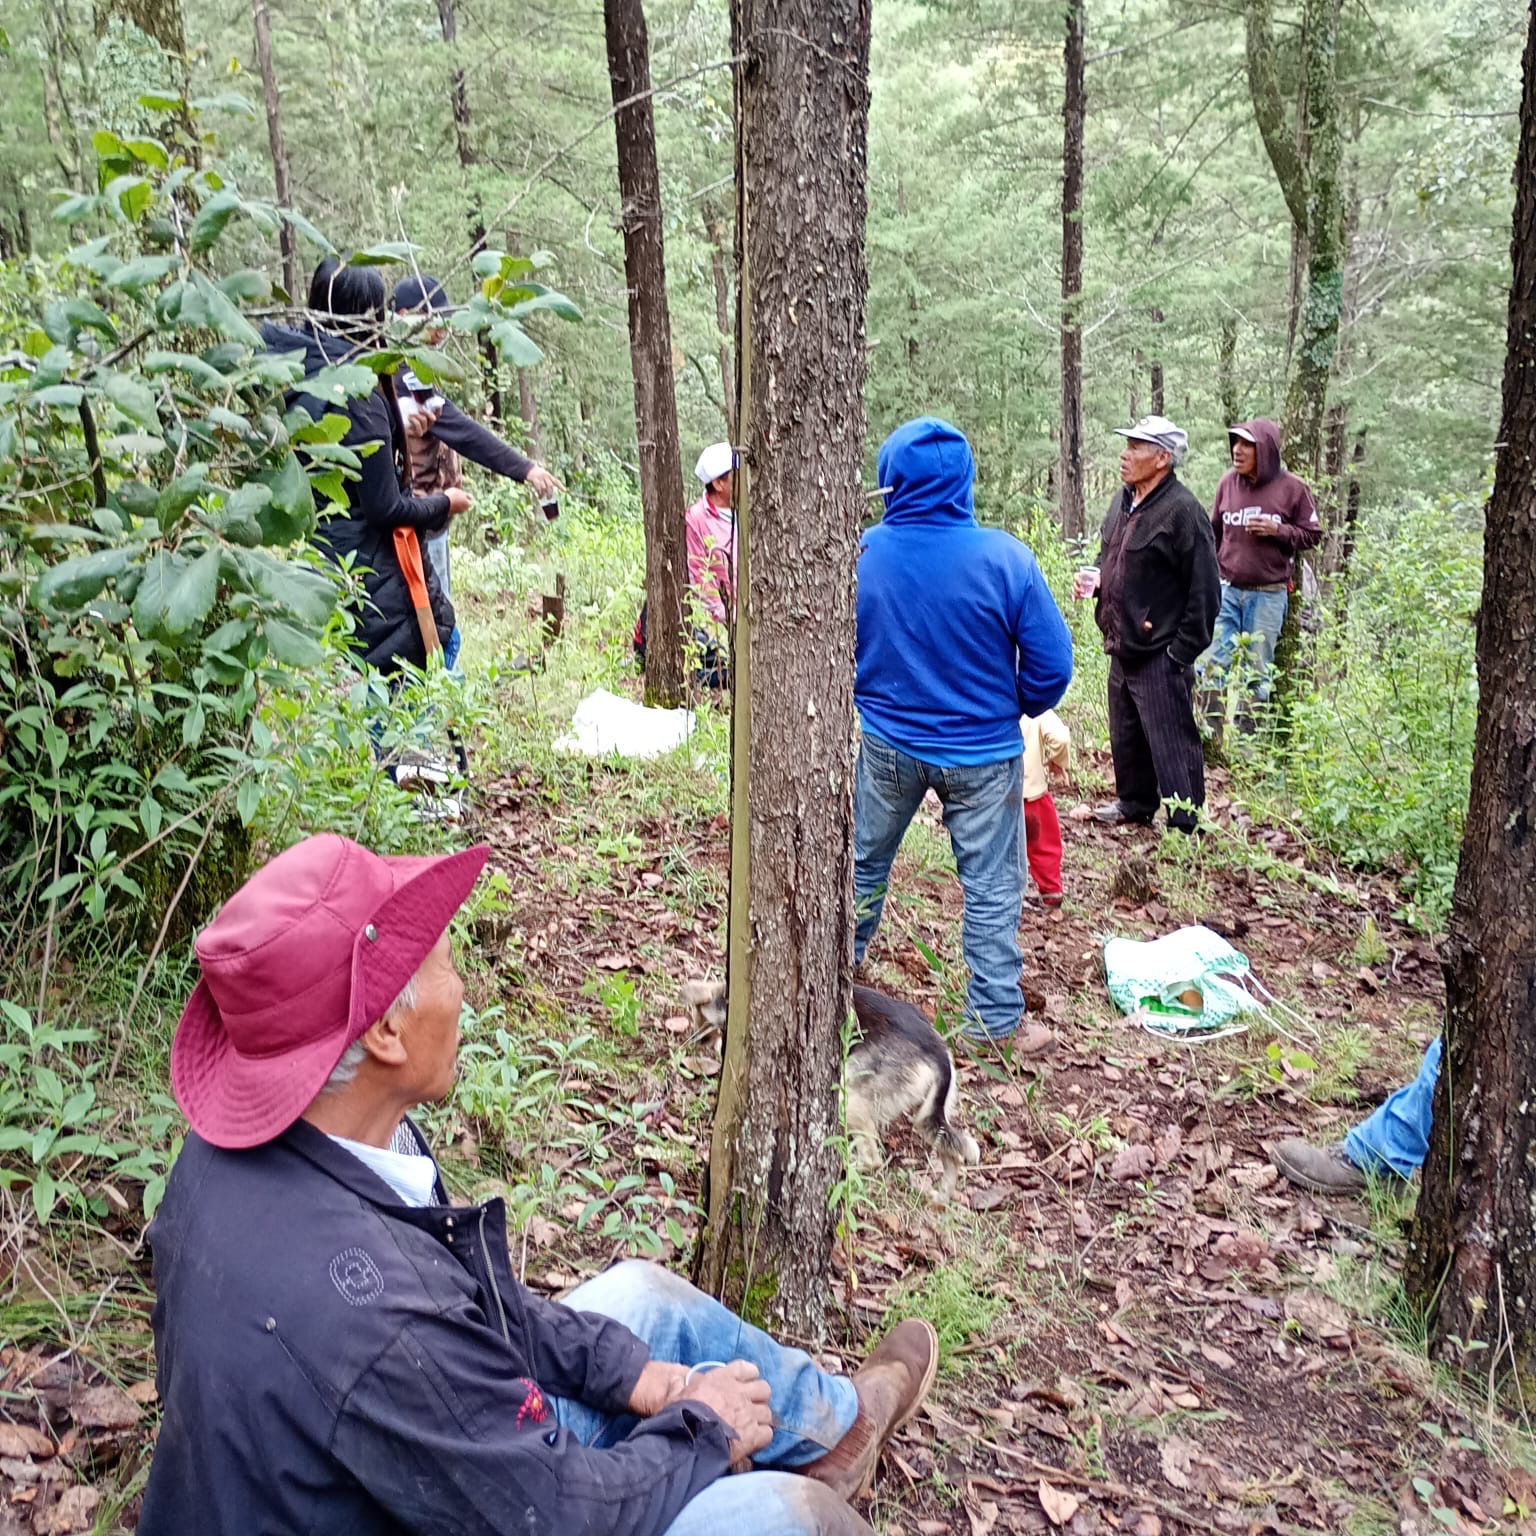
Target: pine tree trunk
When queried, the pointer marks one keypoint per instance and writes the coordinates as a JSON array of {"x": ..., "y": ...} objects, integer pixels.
[
  {"x": 1073, "y": 114},
  {"x": 802, "y": 103},
  {"x": 1472, "y": 1263},
  {"x": 714, "y": 229},
  {"x": 288, "y": 241},
  {"x": 1226, "y": 371},
  {"x": 650, "y": 350},
  {"x": 458, "y": 92},
  {"x": 528, "y": 409}
]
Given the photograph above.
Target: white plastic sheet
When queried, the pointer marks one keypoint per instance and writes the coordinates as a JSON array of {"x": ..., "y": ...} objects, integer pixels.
[{"x": 606, "y": 725}]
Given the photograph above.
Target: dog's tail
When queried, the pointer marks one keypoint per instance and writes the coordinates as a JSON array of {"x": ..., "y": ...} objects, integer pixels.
[{"x": 935, "y": 1122}]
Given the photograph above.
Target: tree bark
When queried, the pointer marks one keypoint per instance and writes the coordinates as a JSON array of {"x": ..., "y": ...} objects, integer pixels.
[
  {"x": 288, "y": 242},
  {"x": 160, "y": 19},
  {"x": 1073, "y": 114},
  {"x": 1306, "y": 400},
  {"x": 1226, "y": 370},
  {"x": 1472, "y": 1262},
  {"x": 458, "y": 93},
  {"x": 802, "y": 105},
  {"x": 528, "y": 409},
  {"x": 650, "y": 350},
  {"x": 714, "y": 229},
  {"x": 1157, "y": 371}
]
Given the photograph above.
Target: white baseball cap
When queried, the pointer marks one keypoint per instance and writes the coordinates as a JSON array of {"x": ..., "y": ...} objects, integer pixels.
[
  {"x": 716, "y": 460},
  {"x": 1161, "y": 432}
]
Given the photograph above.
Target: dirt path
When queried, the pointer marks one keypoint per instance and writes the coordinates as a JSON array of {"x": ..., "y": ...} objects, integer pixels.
[{"x": 1146, "y": 1330}]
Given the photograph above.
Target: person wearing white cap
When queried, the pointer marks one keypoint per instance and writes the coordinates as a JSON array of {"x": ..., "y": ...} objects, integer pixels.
[
  {"x": 1157, "y": 593},
  {"x": 710, "y": 532}
]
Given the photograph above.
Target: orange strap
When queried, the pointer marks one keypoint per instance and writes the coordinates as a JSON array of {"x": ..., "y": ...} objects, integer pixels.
[{"x": 408, "y": 553}]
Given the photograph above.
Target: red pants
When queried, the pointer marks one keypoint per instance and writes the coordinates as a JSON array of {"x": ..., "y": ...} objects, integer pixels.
[{"x": 1042, "y": 839}]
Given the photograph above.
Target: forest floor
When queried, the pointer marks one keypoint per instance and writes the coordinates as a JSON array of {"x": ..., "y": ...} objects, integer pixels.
[{"x": 1145, "y": 1329}]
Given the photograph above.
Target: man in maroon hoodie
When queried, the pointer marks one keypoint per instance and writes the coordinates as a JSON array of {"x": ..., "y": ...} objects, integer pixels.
[{"x": 1263, "y": 515}]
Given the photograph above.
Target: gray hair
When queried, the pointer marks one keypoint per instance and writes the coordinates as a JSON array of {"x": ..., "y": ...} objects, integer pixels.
[{"x": 353, "y": 1057}]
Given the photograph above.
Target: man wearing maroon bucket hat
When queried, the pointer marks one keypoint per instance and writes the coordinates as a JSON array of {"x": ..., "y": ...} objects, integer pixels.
[{"x": 341, "y": 1351}]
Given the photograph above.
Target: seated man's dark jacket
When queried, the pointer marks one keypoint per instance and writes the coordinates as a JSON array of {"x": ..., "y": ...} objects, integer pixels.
[
  {"x": 334, "y": 1363},
  {"x": 1159, "y": 587}
]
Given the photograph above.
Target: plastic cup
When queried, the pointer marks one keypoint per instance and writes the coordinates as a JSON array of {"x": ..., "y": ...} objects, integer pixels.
[
  {"x": 550, "y": 508},
  {"x": 1087, "y": 581},
  {"x": 700, "y": 1368}
]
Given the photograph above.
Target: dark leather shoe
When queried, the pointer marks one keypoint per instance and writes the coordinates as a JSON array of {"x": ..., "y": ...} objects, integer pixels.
[
  {"x": 891, "y": 1384},
  {"x": 1113, "y": 814}
]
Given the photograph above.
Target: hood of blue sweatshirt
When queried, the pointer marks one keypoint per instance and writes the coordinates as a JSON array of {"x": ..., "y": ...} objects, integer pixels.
[{"x": 928, "y": 473}]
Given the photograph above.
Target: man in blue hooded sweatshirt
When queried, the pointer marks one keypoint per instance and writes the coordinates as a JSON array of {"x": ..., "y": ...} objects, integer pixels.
[{"x": 958, "y": 635}]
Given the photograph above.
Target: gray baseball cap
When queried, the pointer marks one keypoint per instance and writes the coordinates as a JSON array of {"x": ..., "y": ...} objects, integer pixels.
[{"x": 1162, "y": 432}]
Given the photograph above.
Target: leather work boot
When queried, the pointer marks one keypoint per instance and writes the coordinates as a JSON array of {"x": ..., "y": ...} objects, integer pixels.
[
  {"x": 1318, "y": 1170},
  {"x": 892, "y": 1383}
]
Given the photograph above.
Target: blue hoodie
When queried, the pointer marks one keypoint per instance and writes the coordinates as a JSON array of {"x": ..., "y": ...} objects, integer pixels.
[{"x": 958, "y": 633}]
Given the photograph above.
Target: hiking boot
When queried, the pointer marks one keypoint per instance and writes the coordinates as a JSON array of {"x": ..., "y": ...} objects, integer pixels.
[
  {"x": 1318, "y": 1170},
  {"x": 892, "y": 1383},
  {"x": 1113, "y": 814}
]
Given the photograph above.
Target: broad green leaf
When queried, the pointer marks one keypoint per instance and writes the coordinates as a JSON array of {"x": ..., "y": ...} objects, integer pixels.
[
  {"x": 133, "y": 397},
  {"x": 63, "y": 533},
  {"x": 290, "y": 513},
  {"x": 295, "y": 590},
  {"x": 106, "y": 143},
  {"x": 181, "y": 493},
  {"x": 61, "y": 397},
  {"x": 240, "y": 522},
  {"x": 229, "y": 421},
  {"x": 556, "y": 303},
  {"x": 162, "y": 101},
  {"x": 516, "y": 345},
  {"x": 341, "y": 382},
  {"x": 211, "y": 220},
  {"x": 72, "y": 583},
  {"x": 72, "y": 209},
  {"x": 383, "y": 254},
  {"x": 193, "y": 595},
  {"x": 248, "y": 800},
  {"x": 247, "y": 287},
  {"x": 331, "y": 428},
  {"x": 150, "y": 151},
  {"x": 129, "y": 195},
  {"x": 433, "y": 365},
  {"x": 183, "y": 362},
  {"x": 308, "y": 230},
  {"x": 193, "y": 723},
  {"x": 223, "y": 315},
  {"x": 292, "y": 646},
  {"x": 136, "y": 275},
  {"x": 154, "y": 595},
  {"x": 231, "y": 102}
]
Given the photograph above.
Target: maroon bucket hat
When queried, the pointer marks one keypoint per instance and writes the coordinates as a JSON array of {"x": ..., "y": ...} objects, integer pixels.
[{"x": 300, "y": 962}]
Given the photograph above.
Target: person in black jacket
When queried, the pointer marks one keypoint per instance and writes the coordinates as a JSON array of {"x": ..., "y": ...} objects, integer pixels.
[
  {"x": 439, "y": 423},
  {"x": 342, "y": 1351},
  {"x": 1158, "y": 593},
  {"x": 347, "y": 308}
]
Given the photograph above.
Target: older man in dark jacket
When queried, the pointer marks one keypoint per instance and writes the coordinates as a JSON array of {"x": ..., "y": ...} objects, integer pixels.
[
  {"x": 1158, "y": 592},
  {"x": 342, "y": 1352}
]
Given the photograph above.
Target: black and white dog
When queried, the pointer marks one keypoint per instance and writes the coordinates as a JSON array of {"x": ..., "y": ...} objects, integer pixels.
[{"x": 897, "y": 1066}]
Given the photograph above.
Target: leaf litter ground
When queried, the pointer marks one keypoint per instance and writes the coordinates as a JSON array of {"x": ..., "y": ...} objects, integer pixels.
[{"x": 1145, "y": 1329}]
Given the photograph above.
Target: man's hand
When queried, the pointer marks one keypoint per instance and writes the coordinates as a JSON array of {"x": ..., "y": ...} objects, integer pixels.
[
  {"x": 1264, "y": 527},
  {"x": 660, "y": 1385},
  {"x": 542, "y": 483},
  {"x": 420, "y": 421},
  {"x": 459, "y": 502},
  {"x": 741, "y": 1397}
]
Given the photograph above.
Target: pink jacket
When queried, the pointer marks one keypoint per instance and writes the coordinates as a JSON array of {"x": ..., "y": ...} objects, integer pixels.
[{"x": 711, "y": 537}]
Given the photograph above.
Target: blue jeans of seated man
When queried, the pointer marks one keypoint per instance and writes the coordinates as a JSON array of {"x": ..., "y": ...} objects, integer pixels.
[
  {"x": 1396, "y": 1136},
  {"x": 683, "y": 1325},
  {"x": 984, "y": 816},
  {"x": 1258, "y": 615}
]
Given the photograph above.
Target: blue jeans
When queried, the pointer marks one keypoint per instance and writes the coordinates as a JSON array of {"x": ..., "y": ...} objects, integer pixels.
[
  {"x": 814, "y": 1409},
  {"x": 1396, "y": 1136},
  {"x": 984, "y": 816},
  {"x": 1258, "y": 615},
  {"x": 437, "y": 552}
]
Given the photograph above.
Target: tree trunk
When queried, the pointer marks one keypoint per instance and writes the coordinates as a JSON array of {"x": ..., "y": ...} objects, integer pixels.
[
  {"x": 458, "y": 94},
  {"x": 1073, "y": 113},
  {"x": 650, "y": 350},
  {"x": 1157, "y": 371},
  {"x": 1472, "y": 1263},
  {"x": 160, "y": 19},
  {"x": 1349, "y": 529},
  {"x": 714, "y": 229},
  {"x": 1306, "y": 399},
  {"x": 288, "y": 241},
  {"x": 1226, "y": 371},
  {"x": 528, "y": 409},
  {"x": 802, "y": 105}
]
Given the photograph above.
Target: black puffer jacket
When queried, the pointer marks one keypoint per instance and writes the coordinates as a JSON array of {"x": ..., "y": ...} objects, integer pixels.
[{"x": 387, "y": 631}]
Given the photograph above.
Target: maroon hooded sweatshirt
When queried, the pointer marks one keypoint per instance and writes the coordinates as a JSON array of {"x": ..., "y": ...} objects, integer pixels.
[{"x": 1246, "y": 559}]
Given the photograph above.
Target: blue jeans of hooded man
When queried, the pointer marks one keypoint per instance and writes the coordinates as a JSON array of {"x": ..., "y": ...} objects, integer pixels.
[
  {"x": 984, "y": 816},
  {"x": 1259, "y": 615},
  {"x": 812, "y": 1409},
  {"x": 1396, "y": 1136}
]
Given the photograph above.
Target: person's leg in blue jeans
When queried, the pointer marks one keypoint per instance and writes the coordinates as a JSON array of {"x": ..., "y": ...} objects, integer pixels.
[
  {"x": 1263, "y": 616},
  {"x": 1229, "y": 624},
  {"x": 889, "y": 785},
  {"x": 984, "y": 815},
  {"x": 1391, "y": 1142},
  {"x": 1396, "y": 1136},
  {"x": 812, "y": 1408}
]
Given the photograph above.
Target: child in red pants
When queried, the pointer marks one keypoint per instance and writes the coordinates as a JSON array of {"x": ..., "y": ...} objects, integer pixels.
[{"x": 1047, "y": 750}]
